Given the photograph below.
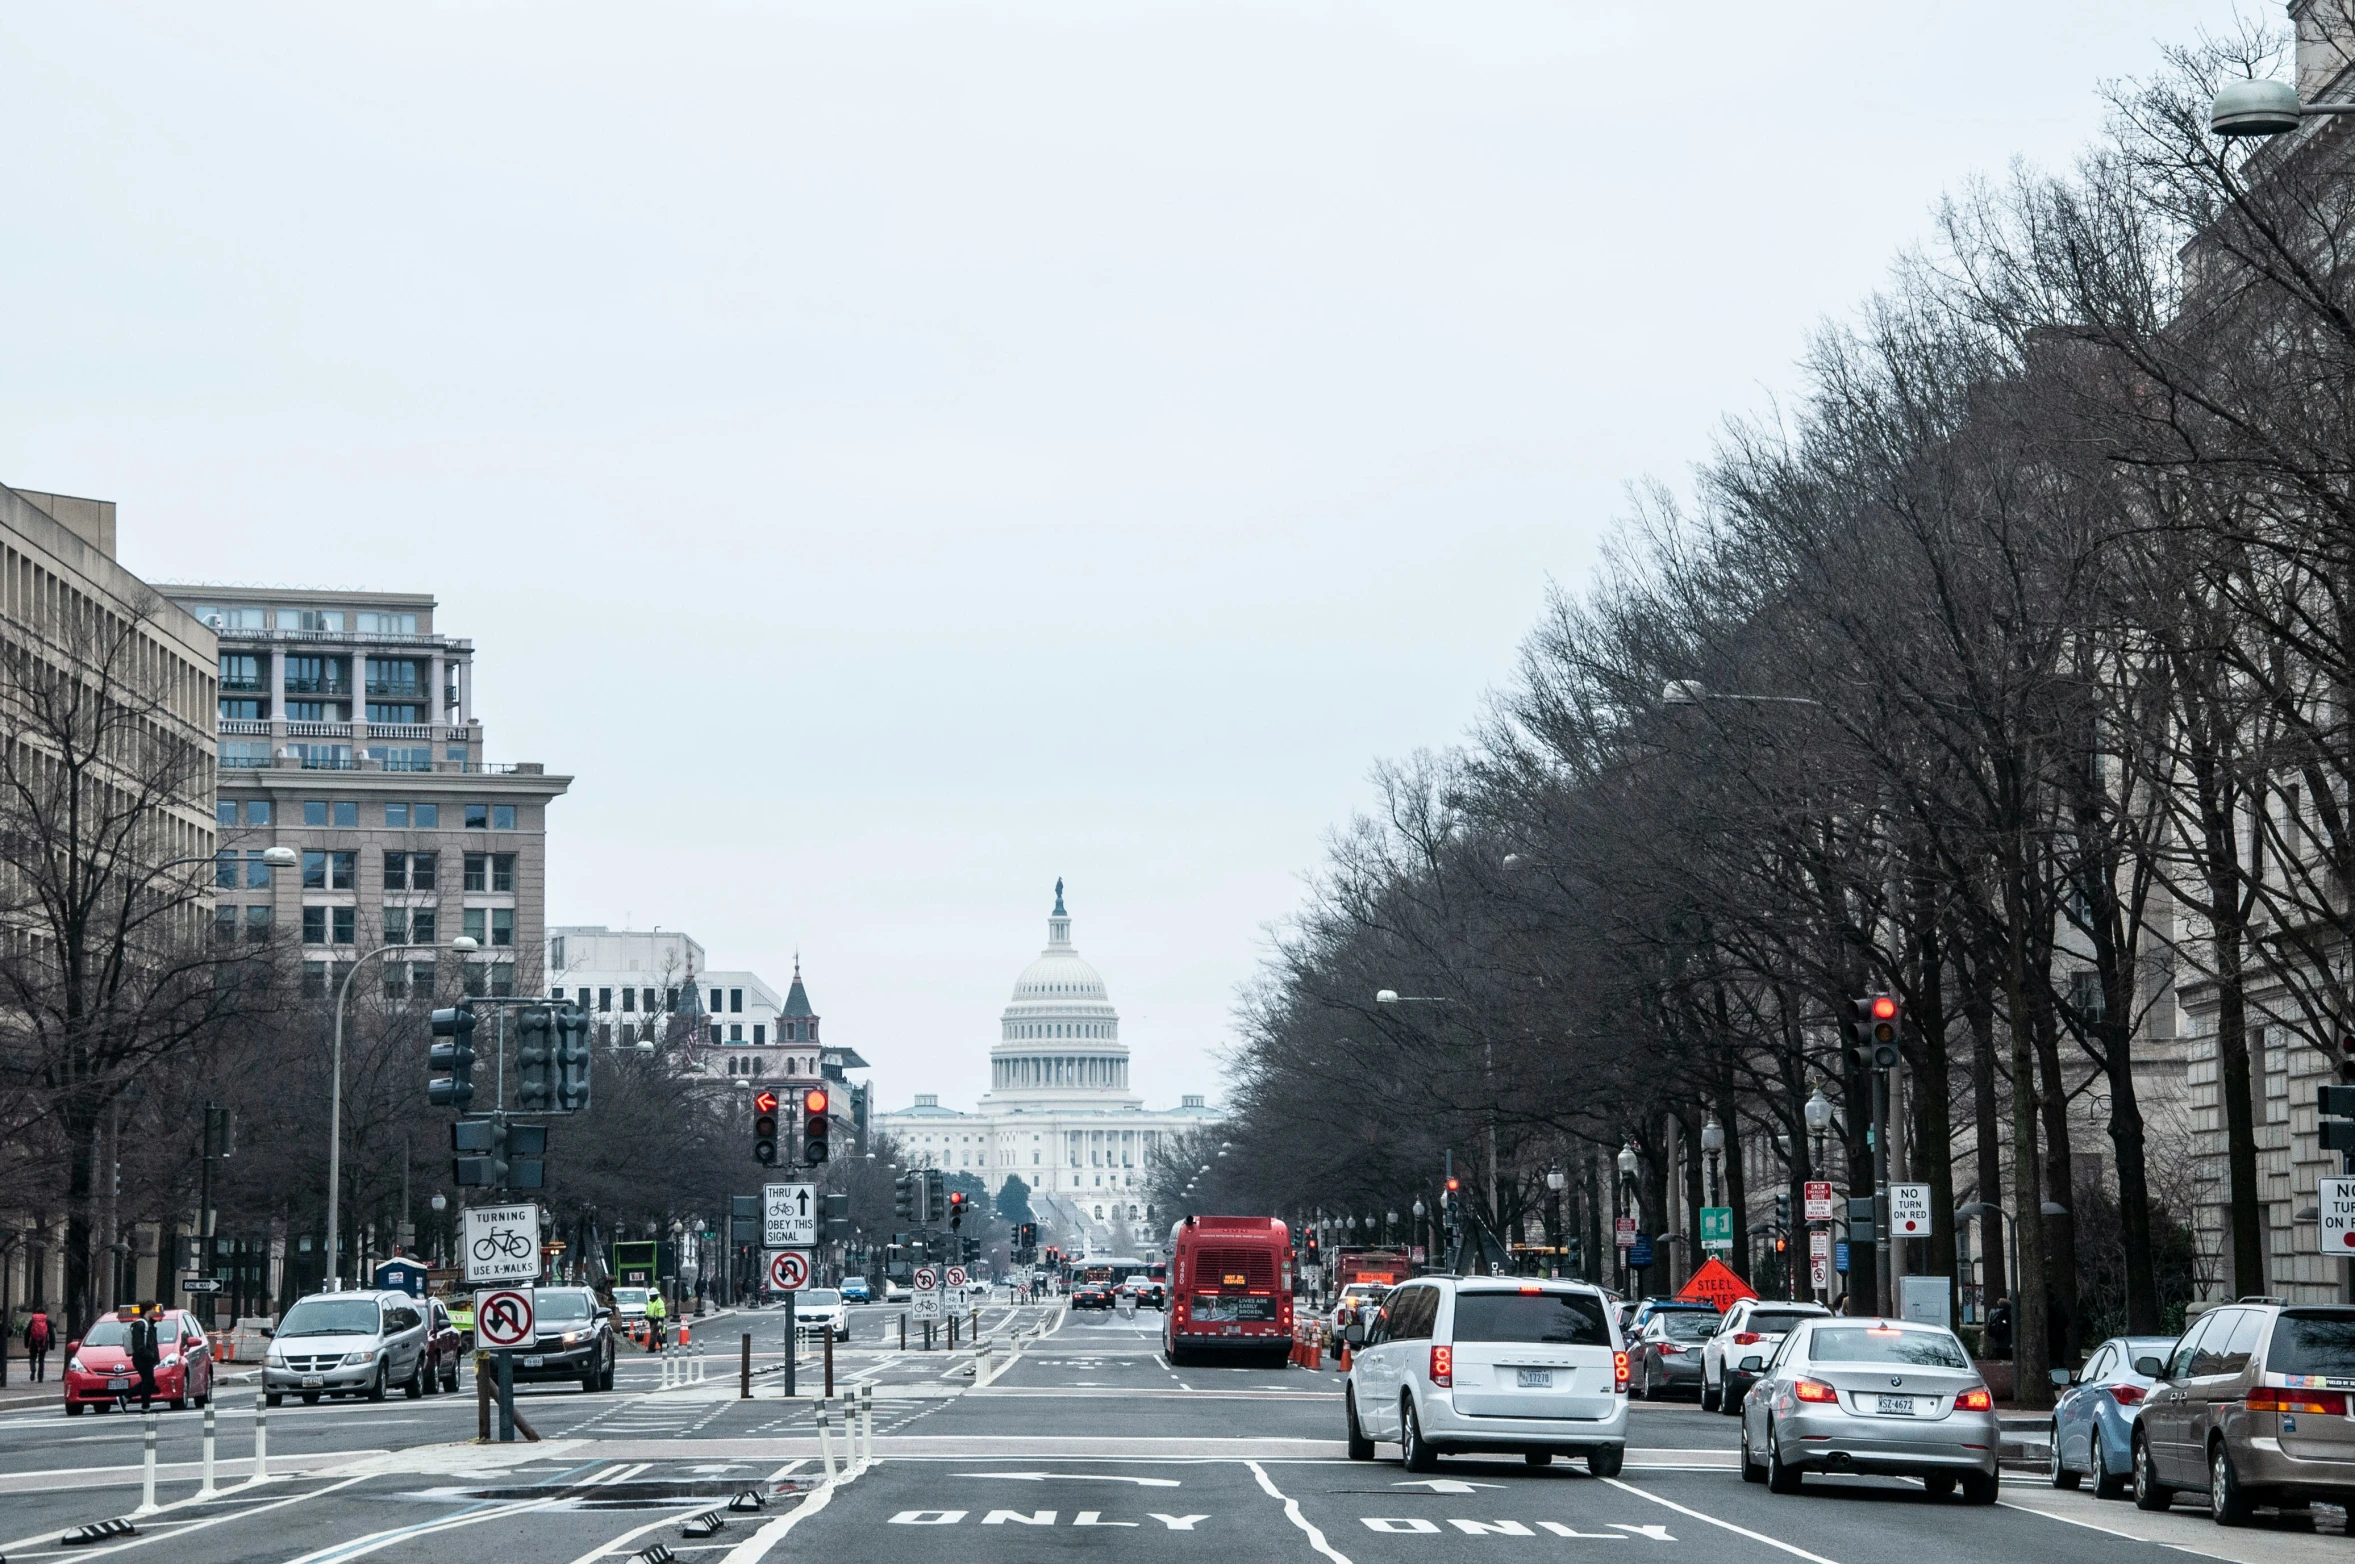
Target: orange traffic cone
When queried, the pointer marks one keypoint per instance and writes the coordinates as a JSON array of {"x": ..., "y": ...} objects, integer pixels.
[
  {"x": 1344, "y": 1356},
  {"x": 683, "y": 1333}
]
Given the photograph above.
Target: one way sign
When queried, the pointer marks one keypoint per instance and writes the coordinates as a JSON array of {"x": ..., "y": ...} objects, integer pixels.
[{"x": 789, "y": 1216}]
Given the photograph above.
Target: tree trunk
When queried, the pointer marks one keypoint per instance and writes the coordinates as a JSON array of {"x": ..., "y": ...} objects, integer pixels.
[
  {"x": 1987, "y": 1108},
  {"x": 2032, "y": 1387}
]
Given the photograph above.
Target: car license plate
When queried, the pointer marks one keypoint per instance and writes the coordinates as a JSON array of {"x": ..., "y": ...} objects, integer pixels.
[
  {"x": 537, "y": 1361},
  {"x": 1896, "y": 1406},
  {"x": 1534, "y": 1379},
  {"x": 118, "y": 1384},
  {"x": 313, "y": 1381}
]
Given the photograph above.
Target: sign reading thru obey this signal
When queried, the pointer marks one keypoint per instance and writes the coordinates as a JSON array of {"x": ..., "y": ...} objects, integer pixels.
[{"x": 789, "y": 1216}]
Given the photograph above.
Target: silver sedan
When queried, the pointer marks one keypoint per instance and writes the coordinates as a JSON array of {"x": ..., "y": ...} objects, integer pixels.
[{"x": 1870, "y": 1396}]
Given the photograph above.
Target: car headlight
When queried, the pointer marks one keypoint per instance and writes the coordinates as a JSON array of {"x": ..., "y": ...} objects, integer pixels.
[
  {"x": 171, "y": 1362},
  {"x": 274, "y": 1358},
  {"x": 74, "y": 1365},
  {"x": 355, "y": 1359},
  {"x": 571, "y": 1336}
]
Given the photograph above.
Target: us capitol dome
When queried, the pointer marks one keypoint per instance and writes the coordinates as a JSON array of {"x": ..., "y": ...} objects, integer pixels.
[{"x": 1058, "y": 1114}]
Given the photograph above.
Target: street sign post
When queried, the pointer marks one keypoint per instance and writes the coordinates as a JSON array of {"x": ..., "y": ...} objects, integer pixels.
[
  {"x": 789, "y": 1270},
  {"x": 1717, "y": 1229},
  {"x": 928, "y": 1301},
  {"x": 501, "y": 1243},
  {"x": 1819, "y": 1259},
  {"x": 1639, "y": 1253},
  {"x": 503, "y": 1317},
  {"x": 1909, "y": 1210},
  {"x": 1623, "y": 1232},
  {"x": 1819, "y": 1200},
  {"x": 789, "y": 1216},
  {"x": 2334, "y": 1197}
]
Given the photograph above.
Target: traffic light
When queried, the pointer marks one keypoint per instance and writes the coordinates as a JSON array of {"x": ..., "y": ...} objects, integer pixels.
[
  {"x": 2336, "y": 1126},
  {"x": 453, "y": 1051},
  {"x": 764, "y": 1127},
  {"x": 1782, "y": 1211},
  {"x": 572, "y": 1059},
  {"x": 1028, "y": 1240},
  {"x": 506, "y": 1156},
  {"x": 837, "y": 1218},
  {"x": 956, "y": 1211},
  {"x": 1877, "y": 1019},
  {"x": 936, "y": 1198},
  {"x": 814, "y": 1125},
  {"x": 535, "y": 1059},
  {"x": 903, "y": 1197}
]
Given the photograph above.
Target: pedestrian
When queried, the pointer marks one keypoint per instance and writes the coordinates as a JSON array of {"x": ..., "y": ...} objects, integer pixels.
[
  {"x": 1840, "y": 1304},
  {"x": 146, "y": 1352},
  {"x": 1999, "y": 1329},
  {"x": 40, "y": 1336},
  {"x": 654, "y": 1316}
]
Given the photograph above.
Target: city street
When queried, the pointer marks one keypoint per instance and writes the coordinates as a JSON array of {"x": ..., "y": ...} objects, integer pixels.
[{"x": 1087, "y": 1431}]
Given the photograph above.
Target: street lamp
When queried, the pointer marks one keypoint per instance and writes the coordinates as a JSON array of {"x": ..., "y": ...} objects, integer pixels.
[
  {"x": 2263, "y": 108},
  {"x": 1713, "y": 1142},
  {"x": 1691, "y": 692},
  {"x": 1555, "y": 1181},
  {"x": 461, "y": 944}
]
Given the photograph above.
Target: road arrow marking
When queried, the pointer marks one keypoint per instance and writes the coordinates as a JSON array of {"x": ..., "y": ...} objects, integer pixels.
[
  {"x": 1077, "y": 1477},
  {"x": 1446, "y": 1485}
]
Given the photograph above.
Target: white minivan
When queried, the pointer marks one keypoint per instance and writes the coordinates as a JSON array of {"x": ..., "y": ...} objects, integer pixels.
[{"x": 1454, "y": 1364}]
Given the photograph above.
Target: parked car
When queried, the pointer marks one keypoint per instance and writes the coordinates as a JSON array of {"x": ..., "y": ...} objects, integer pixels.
[
  {"x": 1489, "y": 1363},
  {"x": 2092, "y": 1431},
  {"x": 820, "y": 1311},
  {"x": 1751, "y": 1323},
  {"x": 1865, "y": 1395},
  {"x": 854, "y": 1290},
  {"x": 348, "y": 1344},
  {"x": 1645, "y": 1308},
  {"x": 461, "y": 1307},
  {"x": 98, "y": 1369},
  {"x": 2251, "y": 1405},
  {"x": 572, "y": 1339},
  {"x": 629, "y": 1303},
  {"x": 1666, "y": 1354}
]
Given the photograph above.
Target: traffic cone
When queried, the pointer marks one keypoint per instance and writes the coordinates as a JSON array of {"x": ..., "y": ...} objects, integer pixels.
[
  {"x": 683, "y": 1333},
  {"x": 1345, "y": 1357}
]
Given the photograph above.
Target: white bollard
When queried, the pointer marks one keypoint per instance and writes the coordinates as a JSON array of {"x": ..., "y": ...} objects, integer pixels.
[
  {"x": 147, "y": 1464},
  {"x": 825, "y": 1438},
  {"x": 207, "y": 1491},
  {"x": 261, "y": 1440},
  {"x": 867, "y": 1416}
]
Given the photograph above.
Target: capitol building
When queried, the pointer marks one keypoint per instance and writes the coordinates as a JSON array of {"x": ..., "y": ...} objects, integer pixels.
[{"x": 1059, "y": 1113}]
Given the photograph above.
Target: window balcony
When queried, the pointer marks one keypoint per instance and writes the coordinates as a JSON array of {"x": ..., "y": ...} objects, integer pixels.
[
  {"x": 340, "y": 688},
  {"x": 244, "y": 686},
  {"x": 319, "y": 730},
  {"x": 395, "y": 690}
]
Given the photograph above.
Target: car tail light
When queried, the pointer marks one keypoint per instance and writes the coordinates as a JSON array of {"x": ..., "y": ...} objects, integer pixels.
[
  {"x": 1619, "y": 1372},
  {"x": 2274, "y": 1398},
  {"x": 1974, "y": 1401},
  {"x": 1814, "y": 1390},
  {"x": 1443, "y": 1366},
  {"x": 1669, "y": 1349},
  {"x": 1745, "y": 1338},
  {"x": 2126, "y": 1395}
]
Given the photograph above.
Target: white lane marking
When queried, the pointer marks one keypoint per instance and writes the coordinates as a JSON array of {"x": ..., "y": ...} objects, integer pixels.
[
  {"x": 358, "y": 1547},
  {"x": 1740, "y": 1531},
  {"x": 182, "y": 1530},
  {"x": 1316, "y": 1538},
  {"x": 756, "y": 1547},
  {"x": 1082, "y": 1477},
  {"x": 616, "y": 1544}
]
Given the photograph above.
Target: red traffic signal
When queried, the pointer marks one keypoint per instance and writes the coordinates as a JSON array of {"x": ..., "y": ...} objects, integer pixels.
[
  {"x": 814, "y": 1100},
  {"x": 814, "y": 1126},
  {"x": 1884, "y": 1008},
  {"x": 764, "y": 1127},
  {"x": 764, "y": 1101}
]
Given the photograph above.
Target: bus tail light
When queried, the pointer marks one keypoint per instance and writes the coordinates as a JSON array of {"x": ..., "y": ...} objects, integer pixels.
[
  {"x": 1619, "y": 1372},
  {"x": 1443, "y": 1366}
]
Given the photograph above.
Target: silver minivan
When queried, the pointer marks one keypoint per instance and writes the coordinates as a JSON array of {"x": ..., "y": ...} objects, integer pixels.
[
  {"x": 347, "y": 1344},
  {"x": 1455, "y": 1364}
]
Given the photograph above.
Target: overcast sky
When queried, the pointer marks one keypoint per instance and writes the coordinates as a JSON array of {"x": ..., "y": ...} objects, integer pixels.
[{"x": 894, "y": 455}]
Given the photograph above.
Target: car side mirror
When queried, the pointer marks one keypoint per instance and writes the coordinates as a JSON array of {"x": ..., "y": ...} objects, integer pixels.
[
  {"x": 2064, "y": 1376},
  {"x": 2151, "y": 1368},
  {"x": 72, "y": 1347},
  {"x": 269, "y": 1333},
  {"x": 1753, "y": 1364},
  {"x": 1354, "y": 1333}
]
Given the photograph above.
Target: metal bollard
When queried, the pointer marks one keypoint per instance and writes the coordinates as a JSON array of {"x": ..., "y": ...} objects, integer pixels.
[
  {"x": 826, "y": 1437},
  {"x": 903, "y": 1332},
  {"x": 147, "y": 1464},
  {"x": 261, "y": 1440},
  {"x": 207, "y": 1491},
  {"x": 744, "y": 1370},
  {"x": 829, "y": 1362}
]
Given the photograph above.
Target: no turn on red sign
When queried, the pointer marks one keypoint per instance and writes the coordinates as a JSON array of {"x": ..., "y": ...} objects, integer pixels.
[
  {"x": 2334, "y": 1200},
  {"x": 789, "y": 1270},
  {"x": 1909, "y": 1210}
]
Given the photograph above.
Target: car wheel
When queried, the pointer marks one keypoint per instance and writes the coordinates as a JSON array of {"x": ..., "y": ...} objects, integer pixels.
[
  {"x": 1981, "y": 1487},
  {"x": 1780, "y": 1478},
  {"x": 605, "y": 1380},
  {"x": 1412, "y": 1447},
  {"x": 376, "y": 1387},
  {"x": 273, "y": 1398},
  {"x": 1752, "y": 1472},
  {"x": 2149, "y": 1492},
  {"x": 2228, "y": 1505},
  {"x": 1710, "y": 1399},
  {"x": 450, "y": 1381},
  {"x": 1538, "y": 1457},
  {"x": 1939, "y": 1485},
  {"x": 1361, "y": 1448},
  {"x": 414, "y": 1388},
  {"x": 2106, "y": 1483},
  {"x": 1606, "y": 1460},
  {"x": 75, "y": 1409},
  {"x": 2056, "y": 1470},
  {"x": 179, "y": 1403},
  {"x": 310, "y": 1398}
]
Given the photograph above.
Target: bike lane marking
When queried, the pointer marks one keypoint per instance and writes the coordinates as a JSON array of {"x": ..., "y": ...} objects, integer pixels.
[
  {"x": 1316, "y": 1538},
  {"x": 1791, "y": 1548},
  {"x": 178, "y": 1529}
]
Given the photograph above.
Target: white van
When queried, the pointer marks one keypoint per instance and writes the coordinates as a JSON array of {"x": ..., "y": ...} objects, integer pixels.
[{"x": 1464, "y": 1363}]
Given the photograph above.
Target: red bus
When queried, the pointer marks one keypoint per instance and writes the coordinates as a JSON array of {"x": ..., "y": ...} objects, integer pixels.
[{"x": 1230, "y": 1289}]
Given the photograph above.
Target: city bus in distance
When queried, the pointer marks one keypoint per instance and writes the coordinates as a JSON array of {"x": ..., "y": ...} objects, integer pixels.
[
  {"x": 1230, "y": 1289},
  {"x": 1110, "y": 1270}
]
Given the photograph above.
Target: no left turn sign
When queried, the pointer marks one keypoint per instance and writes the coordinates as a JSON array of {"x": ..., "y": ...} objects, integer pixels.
[
  {"x": 503, "y": 1317},
  {"x": 926, "y": 1278},
  {"x": 789, "y": 1270}
]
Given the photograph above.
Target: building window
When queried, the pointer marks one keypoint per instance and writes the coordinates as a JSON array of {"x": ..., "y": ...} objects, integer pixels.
[
  {"x": 386, "y": 711},
  {"x": 713, "y": 1036},
  {"x": 314, "y": 811},
  {"x": 241, "y": 672},
  {"x": 629, "y": 999},
  {"x": 317, "y": 621},
  {"x": 605, "y": 999},
  {"x": 395, "y": 678},
  {"x": 421, "y": 977},
  {"x": 757, "y": 1031},
  {"x": 477, "y": 926},
  {"x": 257, "y": 811},
  {"x": 396, "y": 926},
  {"x": 313, "y": 711},
  {"x": 455, "y": 752},
  {"x": 343, "y": 870},
  {"x": 424, "y": 870},
  {"x": 346, "y": 922},
  {"x": 315, "y": 979},
  {"x": 735, "y": 1000},
  {"x": 716, "y": 1006},
  {"x": 373, "y": 623},
  {"x": 225, "y": 871},
  {"x": 314, "y": 925},
  {"x": 503, "y": 978},
  {"x": 257, "y": 925},
  {"x": 478, "y": 867},
  {"x": 425, "y": 817},
  {"x": 224, "y": 923},
  {"x": 736, "y": 1034},
  {"x": 424, "y": 925},
  {"x": 240, "y": 710},
  {"x": 396, "y": 871},
  {"x": 396, "y": 817},
  {"x": 314, "y": 871},
  {"x": 347, "y": 812},
  {"x": 556, "y": 957},
  {"x": 478, "y": 817},
  {"x": 503, "y": 874},
  {"x": 502, "y": 817}
]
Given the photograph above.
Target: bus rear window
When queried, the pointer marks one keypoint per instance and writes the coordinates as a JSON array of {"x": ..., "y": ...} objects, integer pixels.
[
  {"x": 2313, "y": 1343},
  {"x": 1564, "y": 1319}
]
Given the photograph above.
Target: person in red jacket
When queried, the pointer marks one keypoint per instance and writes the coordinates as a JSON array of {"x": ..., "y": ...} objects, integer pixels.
[{"x": 40, "y": 1336}]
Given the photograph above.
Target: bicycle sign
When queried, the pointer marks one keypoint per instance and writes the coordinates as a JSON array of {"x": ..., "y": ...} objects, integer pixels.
[
  {"x": 501, "y": 1243},
  {"x": 503, "y": 1317}
]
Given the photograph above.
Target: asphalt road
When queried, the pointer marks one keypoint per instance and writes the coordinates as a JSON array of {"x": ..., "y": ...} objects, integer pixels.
[{"x": 1085, "y": 1441}]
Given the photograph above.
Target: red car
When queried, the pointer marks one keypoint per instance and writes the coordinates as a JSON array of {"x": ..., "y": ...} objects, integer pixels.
[{"x": 98, "y": 1369}]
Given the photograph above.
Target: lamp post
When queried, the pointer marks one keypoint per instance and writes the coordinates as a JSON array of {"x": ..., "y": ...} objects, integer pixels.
[
  {"x": 343, "y": 989},
  {"x": 1713, "y": 1142},
  {"x": 1555, "y": 1179},
  {"x": 1818, "y": 1114},
  {"x": 1621, "y": 1199},
  {"x": 2263, "y": 108}
]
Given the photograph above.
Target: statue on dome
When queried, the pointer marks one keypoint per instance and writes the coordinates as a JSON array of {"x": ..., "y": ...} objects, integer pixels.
[{"x": 1059, "y": 912}]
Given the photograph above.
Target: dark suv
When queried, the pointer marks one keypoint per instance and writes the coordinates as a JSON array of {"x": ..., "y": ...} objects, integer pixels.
[
  {"x": 2251, "y": 1405},
  {"x": 575, "y": 1339}
]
